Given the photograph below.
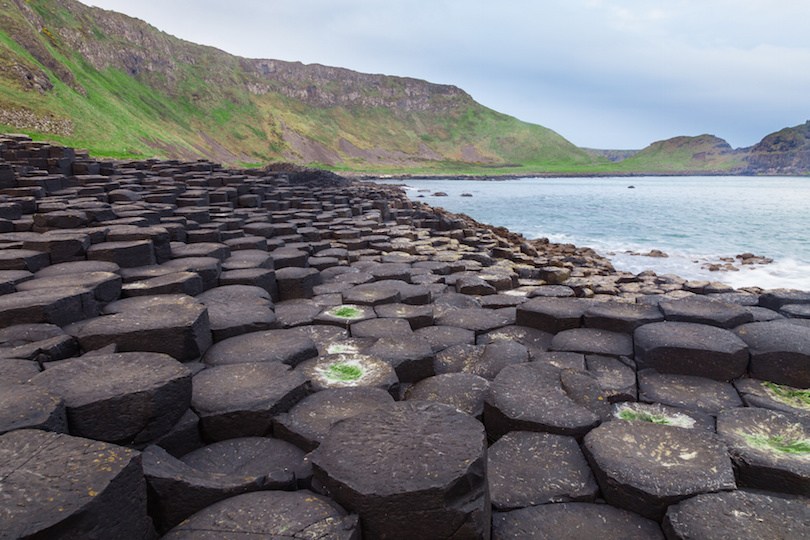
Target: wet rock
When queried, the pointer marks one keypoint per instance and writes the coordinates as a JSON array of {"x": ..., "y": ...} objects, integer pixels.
[
  {"x": 691, "y": 349},
  {"x": 647, "y": 467},
  {"x": 64, "y": 493},
  {"x": 269, "y": 514},
  {"x": 240, "y": 400},
  {"x": 527, "y": 469},
  {"x": 737, "y": 514},
  {"x": 776, "y": 299},
  {"x": 770, "y": 449},
  {"x": 310, "y": 420},
  {"x": 779, "y": 352},
  {"x": 573, "y": 520},
  {"x": 409, "y": 470},
  {"x": 127, "y": 398},
  {"x": 688, "y": 392}
]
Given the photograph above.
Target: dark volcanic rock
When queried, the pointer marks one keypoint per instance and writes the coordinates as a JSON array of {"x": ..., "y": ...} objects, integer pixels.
[
  {"x": 179, "y": 330},
  {"x": 737, "y": 514},
  {"x": 780, "y": 352},
  {"x": 58, "y": 486},
  {"x": 573, "y": 520},
  {"x": 126, "y": 398},
  {"x": 646, "y": 467},
  {"x": 463, "y": 391},
  {"x": 269, "y": 514},
  {"x": 284, "y": 346},
  {"x": 527, "y": 469},
  {"x": 553, "y": 315},
  {"x": 593, "y": 341},
  {"x": 530, "y": 397},
  {"x": 691, "y": 349},
  {"x": 410, "y": 470},
  {"x": 768, "y": 395},
  {"x": 702, "y": 311},
  {"x": 179, "y": 488},
  {"x": 685, "y": 391},
  {"x": 310, "y": 420},
  {"x": 621, "y": 317},
  {"x": 770, "y": 449},
  {"x": 240, "y": 400},
  {"x": 29, "y": 406}
]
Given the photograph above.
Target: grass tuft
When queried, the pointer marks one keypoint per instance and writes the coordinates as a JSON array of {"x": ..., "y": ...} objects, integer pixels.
[
  {"x": 344, "y": 372},
  {"x": 788, "y": 395},
  {"x": 780, "y": 443}
]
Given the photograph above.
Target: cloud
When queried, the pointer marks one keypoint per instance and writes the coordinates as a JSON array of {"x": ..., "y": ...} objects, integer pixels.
[{"x": 604, "y": 73}]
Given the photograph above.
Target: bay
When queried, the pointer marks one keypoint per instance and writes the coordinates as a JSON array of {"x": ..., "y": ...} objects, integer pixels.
[{"x": 695, "y": 220}]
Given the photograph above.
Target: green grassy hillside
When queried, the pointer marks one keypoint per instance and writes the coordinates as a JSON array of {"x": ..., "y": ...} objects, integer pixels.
[
  {"x": 118, "y": 87},
  {"x": 685, "y": 155}
]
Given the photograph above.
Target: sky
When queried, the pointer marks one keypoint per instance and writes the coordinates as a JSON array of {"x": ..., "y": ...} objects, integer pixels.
[{"x": 615, "y": 74}]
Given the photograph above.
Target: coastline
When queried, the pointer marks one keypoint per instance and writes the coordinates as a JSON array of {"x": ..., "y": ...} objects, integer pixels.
[{"x": 764, "y": 220}]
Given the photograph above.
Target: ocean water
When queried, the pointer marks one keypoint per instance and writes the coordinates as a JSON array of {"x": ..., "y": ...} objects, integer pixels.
[{"x": 695, "y": 220}]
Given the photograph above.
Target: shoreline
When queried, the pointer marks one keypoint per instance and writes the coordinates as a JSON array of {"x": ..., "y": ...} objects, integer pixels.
[{"x": 687, "y": 260}]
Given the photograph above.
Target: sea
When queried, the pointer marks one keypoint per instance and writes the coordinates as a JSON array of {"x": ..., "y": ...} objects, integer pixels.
[{"x": 696, "y": 221}]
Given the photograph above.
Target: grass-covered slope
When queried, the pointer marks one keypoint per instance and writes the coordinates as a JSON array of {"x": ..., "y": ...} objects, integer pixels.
[
  {"x": 685, "y": 155},
  {"x": 118, "y": 87}
]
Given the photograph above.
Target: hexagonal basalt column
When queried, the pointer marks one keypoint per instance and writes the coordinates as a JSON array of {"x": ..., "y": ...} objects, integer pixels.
[{"x": 411, "y": 470}]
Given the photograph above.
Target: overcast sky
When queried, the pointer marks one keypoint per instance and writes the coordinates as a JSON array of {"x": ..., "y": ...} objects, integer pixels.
[{"x": 602, "y": 73}]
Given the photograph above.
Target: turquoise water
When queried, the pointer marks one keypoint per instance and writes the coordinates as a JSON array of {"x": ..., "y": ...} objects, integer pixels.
[{"x": 695, "y": 220}]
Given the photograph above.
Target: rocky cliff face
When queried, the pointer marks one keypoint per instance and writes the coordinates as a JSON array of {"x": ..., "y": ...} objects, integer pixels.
[{"x": 785, "y": 152}]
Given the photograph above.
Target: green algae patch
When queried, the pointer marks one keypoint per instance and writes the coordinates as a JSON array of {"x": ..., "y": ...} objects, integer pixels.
[
  {"x": 640, "y": 415},
  {"x": 346, "y": 312},
  {"x": 343, "y": 372},
  {"x": 793, "y": 397},
  {"x": 779, "y": 443}
]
